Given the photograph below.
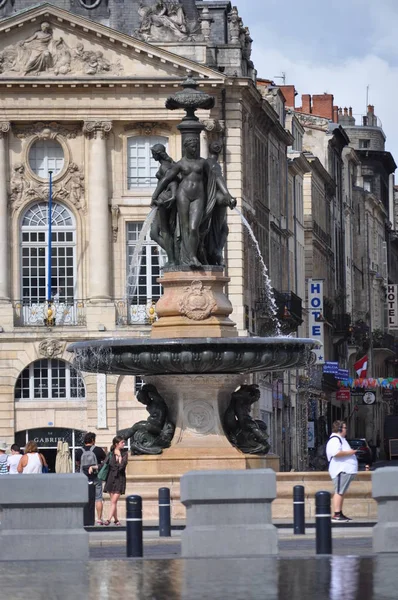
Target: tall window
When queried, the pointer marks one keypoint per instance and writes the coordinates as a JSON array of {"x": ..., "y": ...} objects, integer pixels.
[
  {"x": 49, "y": 379},
  {"x": 141, "y": 168},
  {"x": 45, "y": 156},
  {"x": 34, "y": 253},
  {"x": 142, "y": 285}
]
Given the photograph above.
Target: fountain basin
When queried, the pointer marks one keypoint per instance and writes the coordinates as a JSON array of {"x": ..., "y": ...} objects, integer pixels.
[{"x": 143, "y": 356}]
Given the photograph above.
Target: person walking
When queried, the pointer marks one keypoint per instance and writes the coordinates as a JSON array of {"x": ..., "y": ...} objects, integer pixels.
[
  {"x": 343, "y": 466},
  {"x": 3, "y": 459},
  {"x": 115, "y": 484},
  {"x": 89, "y": 460},
  {"x": 13, "y": 459},
  {"x": 32, "y": 461}
]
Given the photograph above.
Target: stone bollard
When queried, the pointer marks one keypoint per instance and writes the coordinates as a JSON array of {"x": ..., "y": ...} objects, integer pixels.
[
  {"x": 229, "y": 513},
  {"x": 42, "y": 517},
  {"x": 385, "y": 492}
]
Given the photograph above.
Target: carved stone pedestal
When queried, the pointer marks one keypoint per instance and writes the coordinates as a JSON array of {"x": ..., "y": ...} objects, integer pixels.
[
  {"x": 196, "y": 405},
  {"x": 194, "y": 305}
]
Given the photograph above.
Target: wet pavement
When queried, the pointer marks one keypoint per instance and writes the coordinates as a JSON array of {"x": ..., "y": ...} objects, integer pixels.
[{"x": 317, "y": 578}]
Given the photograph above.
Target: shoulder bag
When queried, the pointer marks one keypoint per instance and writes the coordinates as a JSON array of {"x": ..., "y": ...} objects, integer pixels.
[{"x": 104, "y": 470}]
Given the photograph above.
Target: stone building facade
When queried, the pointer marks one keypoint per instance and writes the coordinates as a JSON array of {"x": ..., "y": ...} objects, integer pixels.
[{"x": 83, "y": 89}]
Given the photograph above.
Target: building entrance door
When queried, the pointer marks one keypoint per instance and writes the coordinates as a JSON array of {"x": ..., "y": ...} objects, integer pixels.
[{"x": 47, "y": 440}]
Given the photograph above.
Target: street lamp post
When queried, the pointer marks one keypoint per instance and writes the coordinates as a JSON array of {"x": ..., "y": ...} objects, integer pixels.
[{"x": 50, "y": 320}]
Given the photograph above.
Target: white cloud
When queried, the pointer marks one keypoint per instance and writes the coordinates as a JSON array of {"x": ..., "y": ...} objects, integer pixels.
[{"x": 337, "y": 55}]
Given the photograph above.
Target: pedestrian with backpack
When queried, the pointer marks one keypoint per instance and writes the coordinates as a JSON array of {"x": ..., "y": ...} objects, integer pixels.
[
  {"x": 343, "y": 466},
  {"x": 90, "y": 459}
]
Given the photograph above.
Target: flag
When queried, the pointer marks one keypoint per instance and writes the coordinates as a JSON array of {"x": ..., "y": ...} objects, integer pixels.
[{"x": 361, "y": 367}]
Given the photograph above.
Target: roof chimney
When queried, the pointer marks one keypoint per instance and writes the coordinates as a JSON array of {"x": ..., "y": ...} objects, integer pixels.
[
  {"x": 290, "y": 93},
  {"x": 322, "y": 105},
  {"x": 306, "y": 103}
]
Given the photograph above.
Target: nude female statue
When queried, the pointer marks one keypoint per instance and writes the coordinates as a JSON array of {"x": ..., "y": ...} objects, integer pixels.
[
  {"x": 164, "y": 224},
  {"x": 191, "y": 198}
]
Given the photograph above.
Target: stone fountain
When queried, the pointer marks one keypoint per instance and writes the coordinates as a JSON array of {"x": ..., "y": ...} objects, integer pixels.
[{"x": 194, "y": 364}]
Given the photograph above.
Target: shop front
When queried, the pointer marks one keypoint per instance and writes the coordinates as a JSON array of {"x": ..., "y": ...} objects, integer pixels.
[{"x": 47, "y": 440}]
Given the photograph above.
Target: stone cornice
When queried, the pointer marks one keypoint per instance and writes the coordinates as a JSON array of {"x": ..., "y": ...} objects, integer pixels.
[{"x": 94, "y": 128}]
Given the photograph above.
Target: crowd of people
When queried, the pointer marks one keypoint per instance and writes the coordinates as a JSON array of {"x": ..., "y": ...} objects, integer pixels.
[{"x": 91, "y": 460}]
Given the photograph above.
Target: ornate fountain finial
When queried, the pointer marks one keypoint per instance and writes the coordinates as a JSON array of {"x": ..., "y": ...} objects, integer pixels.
[{"x": 190, "y": 99}]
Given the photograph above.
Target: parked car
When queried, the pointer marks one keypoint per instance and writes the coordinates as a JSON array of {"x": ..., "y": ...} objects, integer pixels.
[{"x": 364, "y": 453}]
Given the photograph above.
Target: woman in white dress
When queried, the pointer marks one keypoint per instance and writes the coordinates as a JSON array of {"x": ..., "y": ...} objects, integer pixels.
[{"x": 32, "y": 461}]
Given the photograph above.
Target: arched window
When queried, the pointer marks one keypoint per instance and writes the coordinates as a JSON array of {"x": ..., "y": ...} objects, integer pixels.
[
  {"x": 34, "y": 253},
  {"x": 141, "y": 167},
  {"x": 90, "y": 4},
  {"x": 49, "y": 379},
  {"x": 45, "y": 156}
]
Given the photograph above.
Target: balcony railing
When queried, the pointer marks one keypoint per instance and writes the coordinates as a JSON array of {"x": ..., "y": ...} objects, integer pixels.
[
  {"x": 28, "y": 313},
  {"x": 289, "y": 310},
  {"x": 325, "y": 237},
  {"x": 384, "y": 340},
  {"x": 129, "y": 313}
]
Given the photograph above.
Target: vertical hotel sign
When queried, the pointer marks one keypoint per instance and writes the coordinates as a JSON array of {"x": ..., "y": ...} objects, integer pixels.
[
  {"x": 315, "y": 309},
  {"x": 392, "y": 306}
]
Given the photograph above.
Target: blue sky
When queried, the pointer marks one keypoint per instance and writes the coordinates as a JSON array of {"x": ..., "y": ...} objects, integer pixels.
[{"x": 338, "y": 47}]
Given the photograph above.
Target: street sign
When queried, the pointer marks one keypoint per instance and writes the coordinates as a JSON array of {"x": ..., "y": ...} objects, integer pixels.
[
  {"x": 331, "y": 367},
  {"x": 343, "y": 395},
  {"x": 343, "y": 374}
]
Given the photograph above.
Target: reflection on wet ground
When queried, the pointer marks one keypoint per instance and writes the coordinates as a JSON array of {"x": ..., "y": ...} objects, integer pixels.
[{"x": 331, "y": 578}]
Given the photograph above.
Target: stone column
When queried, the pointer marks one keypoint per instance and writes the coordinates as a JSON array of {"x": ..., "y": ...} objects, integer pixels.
[
  {"x": 4, "y": 253},
  {"x": 98, "y": 210}
]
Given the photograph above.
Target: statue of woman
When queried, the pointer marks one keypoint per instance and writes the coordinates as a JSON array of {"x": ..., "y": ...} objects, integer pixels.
[
  {"x": 218, "y": 229},
  {"x": 191, "y": 198},
  {"x": 197, "y": 195},
  {"x": 164, "y": 224},
  {"x": 37, "y": 46}
]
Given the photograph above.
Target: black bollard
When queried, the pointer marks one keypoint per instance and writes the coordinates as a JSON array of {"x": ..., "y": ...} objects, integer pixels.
[
  {"x": 323, "y": 523},
  {"x": 134, "y": 545},
  {"x": 89, "y": 508},
  {"x": 298, "y": 510},
  {"x": 164, "y": 513}
]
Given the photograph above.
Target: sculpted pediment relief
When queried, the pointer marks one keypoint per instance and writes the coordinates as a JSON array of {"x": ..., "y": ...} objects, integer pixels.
[
  {"x": 48, "y": 42},
  {"x": 47, "y": 52}
]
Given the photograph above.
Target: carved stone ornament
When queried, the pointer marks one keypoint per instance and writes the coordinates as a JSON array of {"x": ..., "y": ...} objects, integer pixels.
[
  {"x": 235, "y": 25},
  {"x": 115, "y": 221},
  {"x": 198, "y": 302},
  {"x": 50, "y": 348},
  {"x": 46, "y": 131},
  {"x": 146, "y": 128},
  {"x": 165, "y": 21},
  {"x": 24, "y": 189},
  {"x": 199, "y": 416},
  {"x": 214, "y": 125},
  {"x": 312, "y": 121},
  {"x": 41, "y": 54},
  {"x": 94, "y": 128},
  {"x": 4, "y": 128}
]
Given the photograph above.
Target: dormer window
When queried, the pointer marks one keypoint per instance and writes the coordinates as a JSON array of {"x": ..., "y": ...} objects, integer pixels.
[{"x": 90, "y": 4}]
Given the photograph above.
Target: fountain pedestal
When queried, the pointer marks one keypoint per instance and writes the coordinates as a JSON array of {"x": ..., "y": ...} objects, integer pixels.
[
  {"x": 194, "y": 305},
  {"x": 197, "y": 404}
]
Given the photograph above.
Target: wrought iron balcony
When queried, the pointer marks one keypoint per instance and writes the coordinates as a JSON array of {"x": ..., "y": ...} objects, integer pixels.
[
  {"x": 342, "y": 324},
  {"x": 30, "y": 313},
  {"x": 289, "y": 310},
  {"x": 130, "y": 313},
  {"x": 384, "y": 340}
]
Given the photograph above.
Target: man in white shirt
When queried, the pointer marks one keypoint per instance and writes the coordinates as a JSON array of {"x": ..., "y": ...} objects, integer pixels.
[
  {"x": 13, "y": 459},
  {"x": 343, "y": 466}
]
